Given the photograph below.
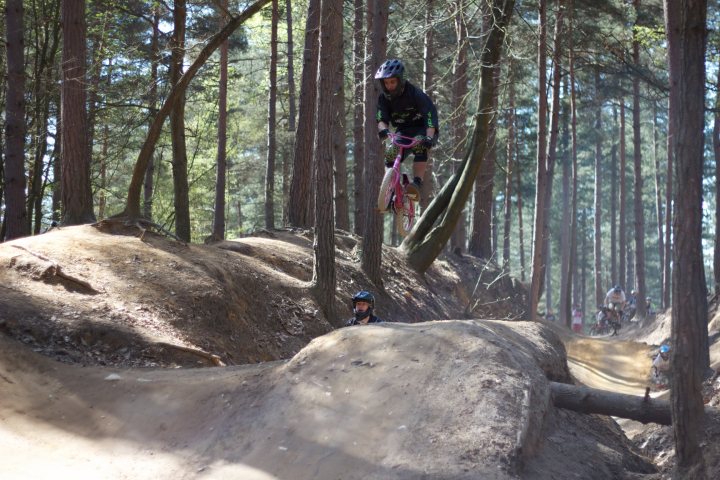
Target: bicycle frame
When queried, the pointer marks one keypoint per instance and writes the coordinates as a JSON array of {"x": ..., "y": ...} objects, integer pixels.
[{"x": 392, "y": 194}]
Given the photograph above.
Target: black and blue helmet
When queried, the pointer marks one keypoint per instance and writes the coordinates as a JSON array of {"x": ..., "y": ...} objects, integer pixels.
[
  {"x": 363, "y": 296},
  {"x": 392, "y": 68}
]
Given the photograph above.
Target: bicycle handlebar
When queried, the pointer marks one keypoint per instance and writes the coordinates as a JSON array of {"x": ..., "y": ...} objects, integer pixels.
[{"x": 395, "y": 137}]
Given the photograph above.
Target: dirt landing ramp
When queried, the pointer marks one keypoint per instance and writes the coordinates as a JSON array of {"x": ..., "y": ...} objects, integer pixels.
[{"x": 440, "y": 400}]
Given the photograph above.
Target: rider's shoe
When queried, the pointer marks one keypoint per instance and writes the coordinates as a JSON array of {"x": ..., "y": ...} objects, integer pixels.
[{"x": 413, "y": 189}]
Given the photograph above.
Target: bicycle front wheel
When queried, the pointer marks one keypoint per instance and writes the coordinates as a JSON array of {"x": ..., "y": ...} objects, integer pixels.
[{"x": 385, "y": 195}]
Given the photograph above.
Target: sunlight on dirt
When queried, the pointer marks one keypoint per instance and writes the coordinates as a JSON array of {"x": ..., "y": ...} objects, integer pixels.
[{"x": 609, "y": 364}]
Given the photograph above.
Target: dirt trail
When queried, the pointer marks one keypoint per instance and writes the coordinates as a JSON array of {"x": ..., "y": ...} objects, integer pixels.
[{"x": 610, "y": 364}]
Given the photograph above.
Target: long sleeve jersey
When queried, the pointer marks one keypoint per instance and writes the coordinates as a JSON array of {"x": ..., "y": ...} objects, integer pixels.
[{"x": 413, "y": 109}]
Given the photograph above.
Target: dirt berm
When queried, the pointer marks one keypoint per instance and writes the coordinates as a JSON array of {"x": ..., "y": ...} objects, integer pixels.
[{"x": 436, "y": 400}]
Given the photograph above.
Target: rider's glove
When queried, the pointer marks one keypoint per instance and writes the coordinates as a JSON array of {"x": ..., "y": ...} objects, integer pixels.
[
  {"x": 383, "y": 134},
  {"x": 427, "y": 142}
]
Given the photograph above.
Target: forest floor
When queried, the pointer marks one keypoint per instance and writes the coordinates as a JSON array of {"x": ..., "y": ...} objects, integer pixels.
[{"x": 128, "y": 356}]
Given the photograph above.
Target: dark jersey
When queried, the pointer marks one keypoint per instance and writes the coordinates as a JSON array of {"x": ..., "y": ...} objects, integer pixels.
[
  {"x": 354, "y": 321},
  {"x": 412, "y": 110}
]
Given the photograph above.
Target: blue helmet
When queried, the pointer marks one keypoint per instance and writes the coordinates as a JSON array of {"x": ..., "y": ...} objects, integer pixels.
[{"x": 664, "y": 349}]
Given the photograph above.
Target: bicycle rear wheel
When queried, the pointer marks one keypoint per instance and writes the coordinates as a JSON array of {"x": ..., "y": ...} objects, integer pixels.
[
  {"x": 385, "y": 195},
  {"x": 405, "y": 217}
]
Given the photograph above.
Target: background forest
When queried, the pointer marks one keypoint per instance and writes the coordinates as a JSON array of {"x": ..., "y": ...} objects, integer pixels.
[{"x": 230, "y": 159}]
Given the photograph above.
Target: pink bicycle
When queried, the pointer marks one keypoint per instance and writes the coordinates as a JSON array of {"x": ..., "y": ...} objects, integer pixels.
[{"x": 393, "y": 195}]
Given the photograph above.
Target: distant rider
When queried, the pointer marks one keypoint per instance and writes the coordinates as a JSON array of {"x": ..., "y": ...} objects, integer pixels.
[
  {"x": 615, "y": 298},
  {"x": 661, "y": 366},
  {"x": 363, "y": 304}
]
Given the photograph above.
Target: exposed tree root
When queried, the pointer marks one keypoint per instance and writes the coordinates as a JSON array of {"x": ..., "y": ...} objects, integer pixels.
[
  {"x": 119, "y": 224},
  {"x": 53, "y": 270},
  {"x": 211, "y": 357}
]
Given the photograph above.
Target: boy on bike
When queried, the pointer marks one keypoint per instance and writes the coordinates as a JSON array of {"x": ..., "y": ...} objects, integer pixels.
[
  {"x": 412, "y": 113},
  {"x": 363, "y": 304},
  {"x": 661, "y": 367}
]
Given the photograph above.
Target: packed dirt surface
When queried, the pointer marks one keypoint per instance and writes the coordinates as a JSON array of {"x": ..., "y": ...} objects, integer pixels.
[{"x": 100, "y": 330}]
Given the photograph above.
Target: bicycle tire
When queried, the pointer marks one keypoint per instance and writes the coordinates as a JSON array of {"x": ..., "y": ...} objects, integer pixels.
[
  {"x": 405, "y": 217},
  {"x": 386, "y": 192}
]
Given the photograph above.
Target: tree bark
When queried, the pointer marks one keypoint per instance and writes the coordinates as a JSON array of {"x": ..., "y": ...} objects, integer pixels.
[
  {"x": 181, "y": 188},
  {"x": 359, "y": 189},
  {"x": 572, "y": 267},
  {"x": 292, "y": 111},
  {"x": 132, "y": 207},
  {"x": 622, "y": 211},
  {"x": 597, "y": 204},
  {"x": 459, "y": 92},
  {"x": 552, "y": 145},
  {"x": 426, "y": 190},
  {"x": 149, "y": 185},
  {"x": 76, "y": 193},
  {"x": 299, "y": 210},
  {"x": 377, "y": 18},
  {"x": 658, "y": 192},
  {"x": 591, "y": 400},
  {"x": 639, "y": 212},
  {"x": 509, "y": 168},
  {"x": 218, "y": 232},
  {"x": 669, "y": 188},
  {"x": 686, "y": 30},
  {"x": 342, "y": 207},
  {"x": 329, "y": 84},
  {"x": 271, "y": 119},
  {"x": 16, "y": 214},
  {"x": 541, "y": 183},
  {"x": 431, "y": 233},
  {"x": 566, "y": 274},
  {"x": 716, "y": 153}
]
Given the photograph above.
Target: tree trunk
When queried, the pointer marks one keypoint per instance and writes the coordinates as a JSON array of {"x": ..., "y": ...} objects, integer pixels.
[
  {"x": 76, "y": 194},
  {"x": 552, "y": 144},
  {"x": 431, "y": 233},
  {"x": 565, "y": 308},
  {"x": 613, "y": 203},
  {"x": 572, "y": 267},
  {"x": 359, "y": 189},
  {"x": 177, "y": 126},
  {"x": 330, "y": 82},
  {"x": 44, "y": 90},
  {"x": 16, "y": 214},
  {"x": 669, "y": 188},
  {"x": 686, "y": 35},
  {"x": 377, "y": 18},
  {"x": 591, "y": 400},
  {"x": 459, "y": 91},
  {"x": 509, "y": 168},
  {"x": 480, "y": 238},
  {"x": 426, "y": 189},
  {"x": 342, "y": 207},
  {"x": 622, "y": 212},
  {"x": 716, "y": 152},
  {"x": 638, "y": 180},
  {"x": 148, "y": 186},
  {"x": 597, "y": 204},
  {"x": 541, "y": 184},
  {"x": 292, "y": 111},
  {"x": 658, "y": 192},
  {"x": 132, "y": 207},
  {"x": 271, "y": 120},
  {"x": 299, "y": 210},
  {"x": 218, "y": 232},
  {"x": 521, "y": 232}
]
